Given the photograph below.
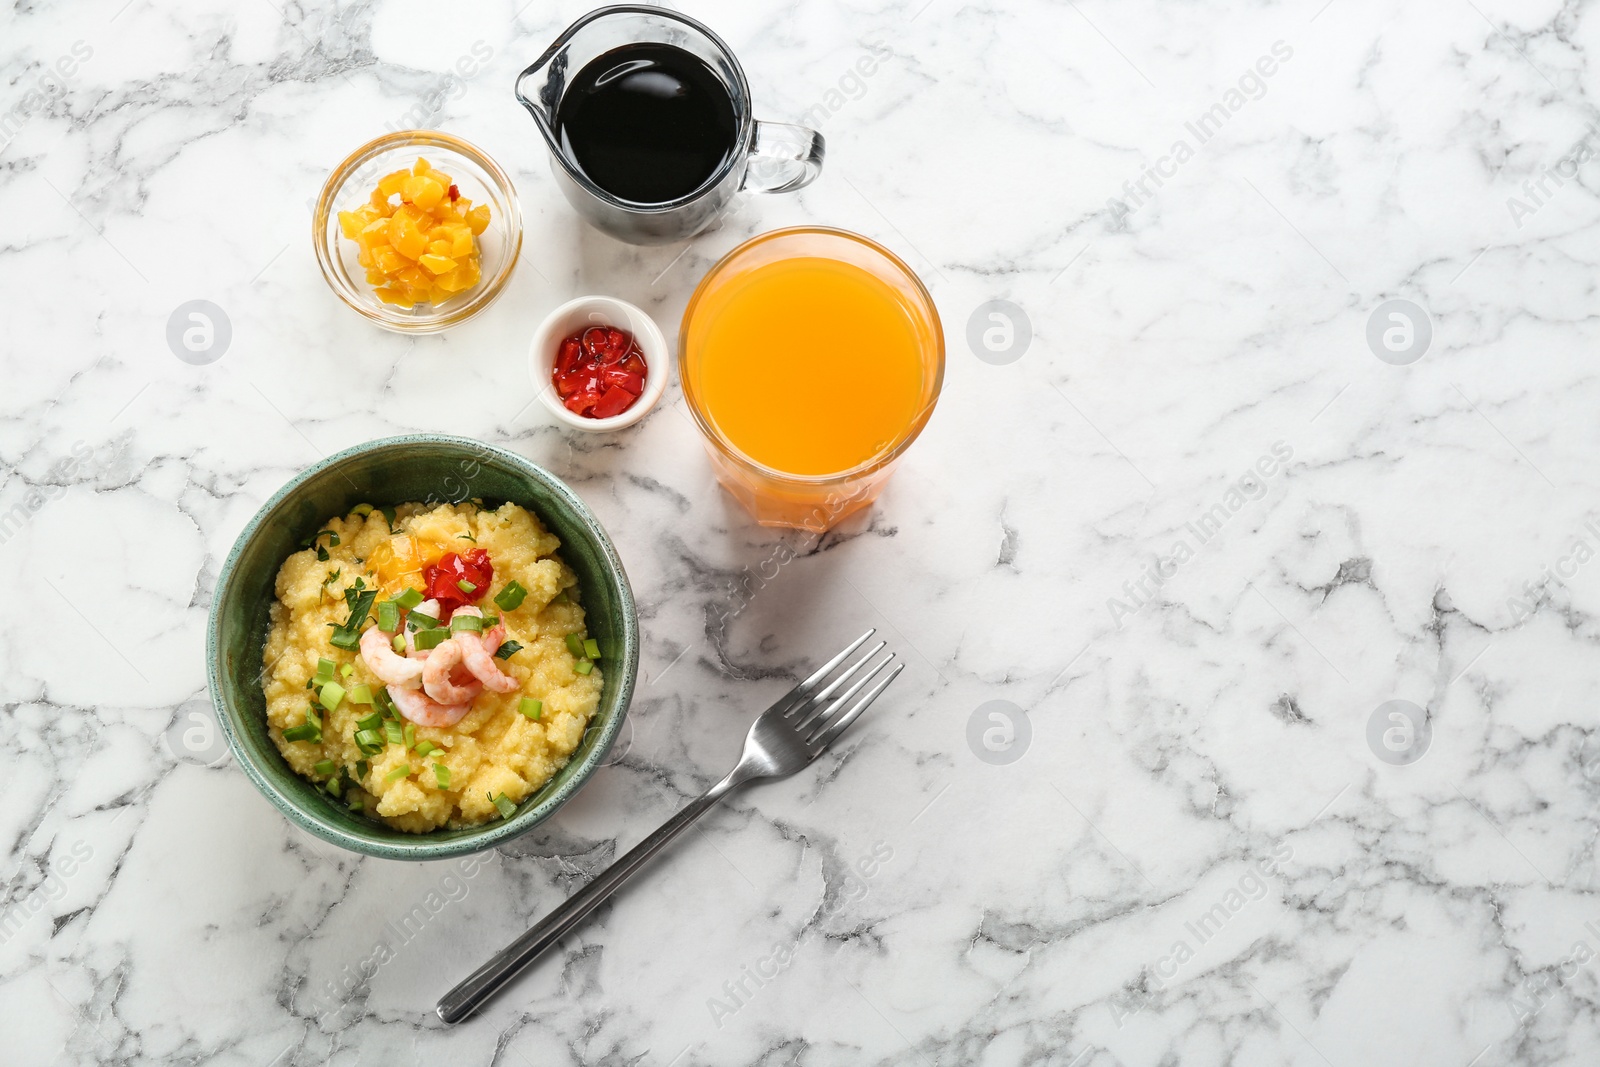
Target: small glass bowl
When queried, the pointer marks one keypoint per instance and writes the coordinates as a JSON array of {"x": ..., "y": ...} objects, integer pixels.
[{"x": 476, "y": 175}]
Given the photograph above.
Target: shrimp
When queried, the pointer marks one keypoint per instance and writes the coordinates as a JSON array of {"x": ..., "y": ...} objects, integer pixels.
[
  {"x": 392, "y": 669},
  {"x": 420, "y": 709},
  {"x": 436, "y": 670},
  {"x": 477, "y": 653}
]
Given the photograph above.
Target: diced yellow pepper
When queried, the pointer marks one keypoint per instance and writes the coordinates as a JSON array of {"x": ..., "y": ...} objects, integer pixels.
[{"x": 416, "y": 244}]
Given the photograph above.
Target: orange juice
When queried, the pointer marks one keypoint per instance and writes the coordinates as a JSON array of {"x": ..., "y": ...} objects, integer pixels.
[
  {"x": 810, "y": 358},
  {"x": 809, "y": 366}
]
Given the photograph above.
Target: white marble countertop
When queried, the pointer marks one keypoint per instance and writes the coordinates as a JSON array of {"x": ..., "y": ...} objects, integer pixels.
[{"x": 1196, "y": 534}]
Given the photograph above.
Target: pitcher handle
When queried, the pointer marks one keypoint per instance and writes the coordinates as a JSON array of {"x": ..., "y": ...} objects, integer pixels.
[{"x": 783, "y": 158}]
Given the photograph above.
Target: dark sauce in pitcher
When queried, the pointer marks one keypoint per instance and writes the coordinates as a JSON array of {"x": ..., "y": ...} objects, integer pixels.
[{"x": 648, "y": 123}]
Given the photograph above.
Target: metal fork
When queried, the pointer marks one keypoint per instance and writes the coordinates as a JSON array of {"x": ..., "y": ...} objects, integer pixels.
[{"x": 783, "y": 739}]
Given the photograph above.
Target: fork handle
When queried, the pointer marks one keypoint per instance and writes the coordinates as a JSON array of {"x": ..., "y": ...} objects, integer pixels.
[{"x": 510, "y": 961}]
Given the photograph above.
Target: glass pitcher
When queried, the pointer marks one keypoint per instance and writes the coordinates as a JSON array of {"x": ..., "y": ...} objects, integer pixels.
[{"x": 767, "y": 157}]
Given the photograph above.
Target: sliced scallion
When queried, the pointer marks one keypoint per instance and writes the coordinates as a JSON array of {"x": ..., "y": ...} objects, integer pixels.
[
  {"x": 583, "y": 666},
  {"x": 591, "y": 648},
  {"x": 399, "y": 643},
  {"x": 423, "y": 748},
  {"x": 324, "y": 671},
  {"x": 461, "y": 621},
  {"x": 409, "y": 599},
  {"x": 409, "y": 735},
  {"x": 346, "y": 670},
  {"x": 360, "y": 694},
  {"x": 466, "y": 587},
  {"x": 510, "y": 598},
  {"x": 419, "y": 621},
  {"x": 430, "y": 639},
  {"x": 441, "y": 774},
  {"x": 363, "y": 510},
  {"x": 389, "y": 616},
  {"x": 370, "y": 742},
  {"x": 324, "y": 767},
  {"x": 503, "y": 804},
  {"x": 371, "y": 722},
  {"x": 362, "y": 766},
  {"x": 575, "y": 646},
  {"x": 393, "y": 733},
  {"x": 531, "y": 708},
  {"x": 330, "y": 697},
  {"x": 398, "y": 773}
]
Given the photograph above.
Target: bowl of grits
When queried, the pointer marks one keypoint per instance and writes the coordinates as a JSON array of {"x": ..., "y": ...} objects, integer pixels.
[{"x": 421, "y": 647}]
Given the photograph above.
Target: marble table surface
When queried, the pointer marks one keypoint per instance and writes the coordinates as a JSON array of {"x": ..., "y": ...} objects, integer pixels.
[{"x": 1244, "y": 570}]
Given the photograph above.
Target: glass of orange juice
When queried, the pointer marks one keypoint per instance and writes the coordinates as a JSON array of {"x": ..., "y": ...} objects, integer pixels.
[{"x": 810, "y": 359}]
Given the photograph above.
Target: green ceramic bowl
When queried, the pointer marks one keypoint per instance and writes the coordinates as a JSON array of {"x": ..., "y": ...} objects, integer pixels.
[{"x": 393, "y": 471}]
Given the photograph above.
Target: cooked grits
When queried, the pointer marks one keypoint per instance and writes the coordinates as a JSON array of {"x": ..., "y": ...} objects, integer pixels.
[{"x": 506, "y": 746}]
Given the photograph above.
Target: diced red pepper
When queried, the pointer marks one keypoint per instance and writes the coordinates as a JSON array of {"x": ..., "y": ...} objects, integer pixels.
[
  {"x": 442, "y": 580},
  {"x": 614, "y": 401},
  {"x": 599, "y": 372}
]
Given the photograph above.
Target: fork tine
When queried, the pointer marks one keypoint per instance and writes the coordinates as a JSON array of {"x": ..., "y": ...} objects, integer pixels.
[
  {"x": 797, "y": 696},
  {"x": 830, "y": 734},
  {"x": 807, "y": 716},
  {"x": 822, "y": 721}
]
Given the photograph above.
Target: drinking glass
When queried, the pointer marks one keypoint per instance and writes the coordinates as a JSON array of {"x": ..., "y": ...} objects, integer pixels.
[{"x": 797, "y": 501}]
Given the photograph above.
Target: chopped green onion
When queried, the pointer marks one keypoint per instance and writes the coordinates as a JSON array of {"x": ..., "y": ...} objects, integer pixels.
[
  {"x": 324, "y": 767},
  {"x": 575, "y": 646},
  {"x": 399, "y": 643},
  {"x": 371, "y": 722},
  {"x": 361, "y": 694},
  {"x": 349, "y": 635},
  {"x": 510, "y": 598},
  {"x": 324, "y": 671},
  {"x": 420, "y": 621},
  {"x": 333, "y": 786},
  {"x": 591, "y": 648},
  {"x": 362, "y": 766},
  {"x": 583, "y": 666},
  {"x": 507, "y": 650},
  {"x": 362, "y": 510},
  {"x": 459, "y": 622},
  {"x": 388, "y": 616},
  {"x": 466, "y": 587},
  {"x": 503, "y": 803},
  {"x": 531, "y": 708},
  {"x": 441, "y": 774},
  {"x": 346, "y": 671},
  {"x": 490, "y": 622},
  {"x": 310, "y": 730},
  {"x": 355, "y": 802},
  {"x": 409, "y": 734},
  {"x": 425, "y": 747},
  {"x": 388, "y": 517},
  {"x": 430, "y": 639},
  {"x": 370, "y": 742},
  {"x": 393, "y": 732},
  {"x": 398, "y": 773},
  {"x": 331, "y": 695},
  {"x": 409, "y": 599}
]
